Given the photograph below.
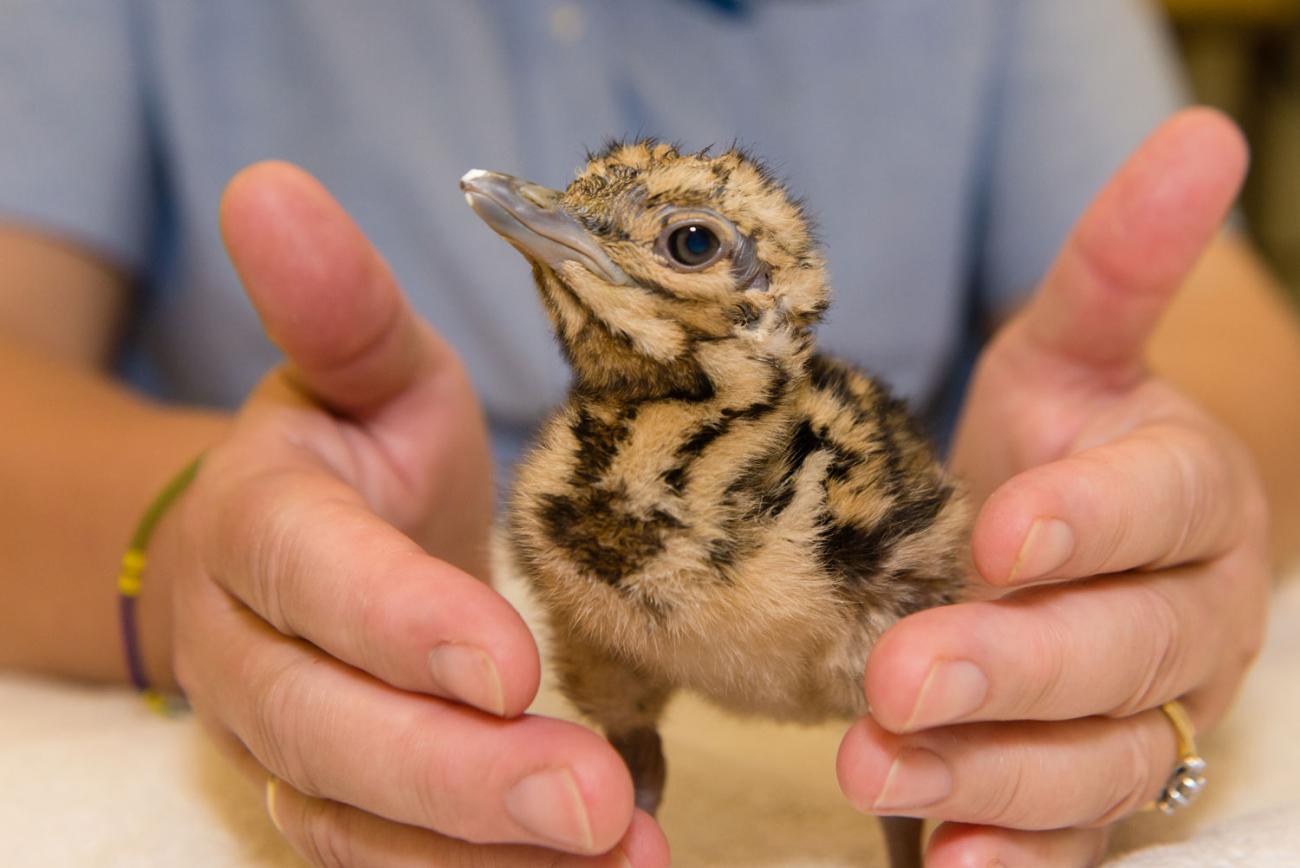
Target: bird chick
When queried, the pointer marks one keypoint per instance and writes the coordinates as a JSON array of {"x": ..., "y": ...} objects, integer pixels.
[{"x": 717, "y": 507}]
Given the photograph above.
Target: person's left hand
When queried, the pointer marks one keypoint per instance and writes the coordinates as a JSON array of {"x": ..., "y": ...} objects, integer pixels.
[{"x": 1125, "y": 529}]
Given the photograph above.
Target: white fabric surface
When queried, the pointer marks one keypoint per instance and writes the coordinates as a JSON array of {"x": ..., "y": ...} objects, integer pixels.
[{"x": 90, "y": 778}]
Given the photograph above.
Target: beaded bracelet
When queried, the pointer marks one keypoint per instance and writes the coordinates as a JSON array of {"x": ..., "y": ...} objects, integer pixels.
[{"x": 129, "y": 583}]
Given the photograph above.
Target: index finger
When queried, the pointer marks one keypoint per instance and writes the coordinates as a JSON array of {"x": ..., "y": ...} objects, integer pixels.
[
  {"x": 336, "y": 733},
  {"x": 1115, "y": 646},
  {"x": 1165, "y": 494},
  {"x": 301, "y": 549}
]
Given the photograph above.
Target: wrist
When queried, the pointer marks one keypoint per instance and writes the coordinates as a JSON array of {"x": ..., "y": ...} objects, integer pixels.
[{"x": 156, "y": 554}]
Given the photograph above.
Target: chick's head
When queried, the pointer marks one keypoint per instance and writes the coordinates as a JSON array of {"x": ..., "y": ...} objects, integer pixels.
[{"x": 651, "y": 253}]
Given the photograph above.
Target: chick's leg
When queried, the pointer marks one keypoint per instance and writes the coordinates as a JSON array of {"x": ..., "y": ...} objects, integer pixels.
[
  {"x": 903, "y": 840},
  {"x": 626, "y": 702},
  {"x": 643, "y": 752}
]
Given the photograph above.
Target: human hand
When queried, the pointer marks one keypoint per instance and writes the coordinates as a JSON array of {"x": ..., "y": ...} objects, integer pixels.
[
  {"x": 1087, "y": 467},
  {"x": 329, "y": 629}
]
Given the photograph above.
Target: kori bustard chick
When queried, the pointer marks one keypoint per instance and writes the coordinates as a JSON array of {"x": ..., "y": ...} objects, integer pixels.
[{"x": 717, "y": 507}]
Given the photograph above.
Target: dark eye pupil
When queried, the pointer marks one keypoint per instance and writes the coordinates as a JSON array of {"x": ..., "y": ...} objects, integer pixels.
[
  {"x": 693, "y": 245},
  {"x": 698, "y": 240}
]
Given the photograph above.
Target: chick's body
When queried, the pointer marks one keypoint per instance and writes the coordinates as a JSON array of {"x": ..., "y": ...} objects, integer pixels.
[
  {"x": 717, "y": 507},
  {"x": 750, "y": 547}
]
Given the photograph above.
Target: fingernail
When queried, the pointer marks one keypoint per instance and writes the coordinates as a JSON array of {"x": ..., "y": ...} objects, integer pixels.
[
  {"x": 469, "y": 675},
  {"x": 548, "y": 805},
  {"x": 270, "y": 803},
  {"x": 952, "y": 690},
  {"x": 917, "y": 778},
  {"x": 1047, "y": 546}
]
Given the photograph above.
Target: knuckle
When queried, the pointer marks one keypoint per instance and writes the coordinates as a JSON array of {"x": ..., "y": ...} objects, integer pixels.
[
  {"x": 1007, "y": 801},
  {"x": 1217, "y": 491},
  {"x": 1195, "y": 491},
  {"x": 1109, "y": 536},
  {"x": 1162, "y": 654},
  {"x": 1048, "y": 677},
  {"x": 1184, "y": 489},
  {"x": 1128, "y": 788},
  {"x": 325, "y": 835},
  {"x": 439, "y": 796},
  {"x": 431, "y": 797},
  {"x": 457, "y": 793},
  {"x": 269, "y": 549},
  {"x": 279, "y": 709},
  {"x": 377, "y": 636}
]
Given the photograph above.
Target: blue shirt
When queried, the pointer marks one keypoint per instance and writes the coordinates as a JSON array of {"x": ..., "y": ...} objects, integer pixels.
[{"x": 944, "y": 148}]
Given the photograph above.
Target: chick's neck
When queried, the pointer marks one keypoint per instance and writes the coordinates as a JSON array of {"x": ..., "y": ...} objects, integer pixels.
[{"x": 670, "y": 445}]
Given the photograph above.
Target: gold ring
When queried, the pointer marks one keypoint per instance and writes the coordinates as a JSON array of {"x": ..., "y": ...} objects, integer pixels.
[
  {"x": 1188, "y": 778},
  {"x": 272, "y": 784}
]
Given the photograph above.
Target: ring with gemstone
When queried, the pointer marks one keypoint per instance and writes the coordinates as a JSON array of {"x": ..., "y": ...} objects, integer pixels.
[{"x": 1188, "y": 778}]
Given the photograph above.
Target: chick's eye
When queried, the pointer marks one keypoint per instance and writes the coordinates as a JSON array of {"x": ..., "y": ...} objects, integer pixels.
[{"x": 693, "y": 245}]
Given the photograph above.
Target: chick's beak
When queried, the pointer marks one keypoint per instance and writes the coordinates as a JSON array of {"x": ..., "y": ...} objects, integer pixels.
[{"x": 530, "y": 218}]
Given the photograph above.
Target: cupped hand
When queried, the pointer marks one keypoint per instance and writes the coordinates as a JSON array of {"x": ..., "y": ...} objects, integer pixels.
[
  {"x": 1120, "y": 545},
  {"x": 330, "y": 630}
]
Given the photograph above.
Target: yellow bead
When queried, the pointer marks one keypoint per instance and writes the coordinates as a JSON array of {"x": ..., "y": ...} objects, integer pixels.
[
  {"x": 156, "y": 702},
  {"x": 128, "y": 585},
  {"x": 133, "y": 562}
]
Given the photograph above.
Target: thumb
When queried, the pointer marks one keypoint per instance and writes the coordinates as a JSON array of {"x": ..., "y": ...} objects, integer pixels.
[
  {"x": 1138, "y": 240},
  {"x": 324, "y": 294}
]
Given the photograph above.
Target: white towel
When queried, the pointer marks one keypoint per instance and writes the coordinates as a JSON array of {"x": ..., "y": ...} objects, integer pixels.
[{"x": 90, "y": 778}]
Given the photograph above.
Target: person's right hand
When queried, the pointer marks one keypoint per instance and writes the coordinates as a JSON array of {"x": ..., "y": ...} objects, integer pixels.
[{"x": 328, "y": 627}]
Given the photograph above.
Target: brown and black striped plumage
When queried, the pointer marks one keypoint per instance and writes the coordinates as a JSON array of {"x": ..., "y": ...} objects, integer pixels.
[{"x": 717, "y": 507}]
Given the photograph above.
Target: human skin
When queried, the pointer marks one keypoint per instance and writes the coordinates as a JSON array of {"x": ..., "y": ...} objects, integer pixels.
[
  {"x": 1088, "y": 465},
  {"x": 332, "y": 542},
  {"x": 306, "y": 613}
]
